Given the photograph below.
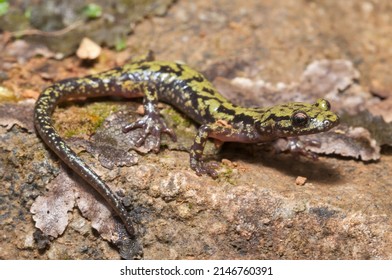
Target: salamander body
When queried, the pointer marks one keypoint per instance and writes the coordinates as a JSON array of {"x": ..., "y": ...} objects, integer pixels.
[{"x": 188, "y": 91}]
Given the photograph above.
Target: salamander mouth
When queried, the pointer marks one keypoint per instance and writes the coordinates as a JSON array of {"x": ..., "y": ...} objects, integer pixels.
[
  {"x": 328, "y": 124},
  {"x": 317, "y": 127},
  {"x": 325, "y": 125}
]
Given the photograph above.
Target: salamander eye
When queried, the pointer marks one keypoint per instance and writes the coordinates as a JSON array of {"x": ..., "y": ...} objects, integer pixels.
[
  {"x": 299, "y": 119},
  {"x": 323, "y": 104}
]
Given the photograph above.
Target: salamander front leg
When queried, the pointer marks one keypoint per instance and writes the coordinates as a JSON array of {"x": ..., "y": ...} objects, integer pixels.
[
  {"x": 196, "y": 153},
  {"x": 296, "y": 146}
]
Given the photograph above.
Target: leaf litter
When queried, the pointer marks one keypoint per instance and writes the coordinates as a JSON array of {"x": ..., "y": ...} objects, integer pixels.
[{"x": 51, "y": 212}]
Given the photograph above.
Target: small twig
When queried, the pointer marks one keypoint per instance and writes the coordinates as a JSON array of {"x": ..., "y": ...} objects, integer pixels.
[{"x": 47, "y": 33}]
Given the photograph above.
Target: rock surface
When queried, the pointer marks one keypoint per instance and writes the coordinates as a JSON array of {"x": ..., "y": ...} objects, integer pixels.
[{"x": 255, "y": 210}]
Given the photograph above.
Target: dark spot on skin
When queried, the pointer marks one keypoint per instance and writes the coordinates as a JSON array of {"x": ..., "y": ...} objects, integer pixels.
[
  {"x": 198, "y": 78},
  {"x": 144, "y": 67},
  {"x": 168, "y": 69},
  {"x": 243, "y": 118},
  {"x": 209, "y": 90},
  {"x": 225, "y": 110},
  {"x": 275, "y": 118}
]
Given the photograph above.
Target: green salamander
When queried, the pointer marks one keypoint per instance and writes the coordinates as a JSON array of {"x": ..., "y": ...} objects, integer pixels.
[{"x": 188, "y": 91}]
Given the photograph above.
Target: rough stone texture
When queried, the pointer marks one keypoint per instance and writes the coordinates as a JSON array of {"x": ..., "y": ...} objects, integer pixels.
[{"x": 256, "y": 210}]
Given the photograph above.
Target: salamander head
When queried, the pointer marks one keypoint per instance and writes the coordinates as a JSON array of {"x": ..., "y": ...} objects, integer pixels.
[{"x": 293, "y": 119}]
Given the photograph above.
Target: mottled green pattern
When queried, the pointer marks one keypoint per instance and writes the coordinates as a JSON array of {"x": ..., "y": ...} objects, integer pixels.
[{"x": 188, "y": 91}]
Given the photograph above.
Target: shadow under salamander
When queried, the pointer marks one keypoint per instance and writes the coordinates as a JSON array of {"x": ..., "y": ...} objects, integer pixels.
[{"x": 289, "y": 164}]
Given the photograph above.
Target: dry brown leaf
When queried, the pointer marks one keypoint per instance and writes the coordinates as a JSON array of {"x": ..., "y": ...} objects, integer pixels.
[
  {"x": 51, "y": 211},
  {"x": 16, "y": 114},
  {"x": 383, "y": 109},
  {"x": 92, "y": 208},
  {"x": 355, "y": 142},
  {"x": 108, "y": 155},
  {"x": 328, "y": 77}
]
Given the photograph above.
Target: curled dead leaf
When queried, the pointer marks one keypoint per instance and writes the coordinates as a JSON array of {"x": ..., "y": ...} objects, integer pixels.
[
  {"x": 355, "y": 142},
  {"x": 88, "y": 49}
]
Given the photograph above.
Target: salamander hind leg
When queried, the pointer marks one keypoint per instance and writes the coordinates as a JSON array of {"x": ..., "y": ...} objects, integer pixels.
[
  {"x": 196, "y": 153},
  {"x": 152, "y": 124}
]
